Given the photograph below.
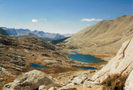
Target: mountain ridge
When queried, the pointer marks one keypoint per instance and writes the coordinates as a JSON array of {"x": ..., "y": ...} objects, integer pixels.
[
  {"x": 103, "y": 39},
  {"x": 3, "y": 32},
  {"x": 24, "y": 32}
]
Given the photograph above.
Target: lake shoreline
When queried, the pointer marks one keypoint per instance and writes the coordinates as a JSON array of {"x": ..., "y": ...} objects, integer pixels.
[
  {"x": 89, "y": 65},
  {"x": 84, "y": 58},
  {"x": 105, "y": 57}
]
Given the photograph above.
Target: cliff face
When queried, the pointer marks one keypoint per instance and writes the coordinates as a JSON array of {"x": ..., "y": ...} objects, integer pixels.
[
  {"x": 118, "y": 72},
  {"x": 102, "y": 39}
]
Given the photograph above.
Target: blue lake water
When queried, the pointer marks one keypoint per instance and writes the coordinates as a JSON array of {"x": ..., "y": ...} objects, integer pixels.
[
  {"x": 85, "y": 58},
  {"x": 78, "y": 57},
  {"x": 37, "y": 66}
]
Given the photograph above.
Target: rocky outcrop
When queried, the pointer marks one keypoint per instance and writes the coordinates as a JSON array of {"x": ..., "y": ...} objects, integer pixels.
[
  {"x": 29, "y": 81},
  {"x": 129, "y": 82},
  {"x": 118, "y": 72},
  {"x": 73, "y": 80}
]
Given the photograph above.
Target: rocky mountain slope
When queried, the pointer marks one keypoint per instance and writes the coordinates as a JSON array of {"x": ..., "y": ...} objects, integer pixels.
[
  {"x": 103, "y": 39},
  {"x": 24, "y": 32},
  {"x": 3, "y": 32}
]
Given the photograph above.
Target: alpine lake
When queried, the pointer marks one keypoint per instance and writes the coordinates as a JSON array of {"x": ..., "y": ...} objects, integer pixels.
[{"x": 78, "y": 57}]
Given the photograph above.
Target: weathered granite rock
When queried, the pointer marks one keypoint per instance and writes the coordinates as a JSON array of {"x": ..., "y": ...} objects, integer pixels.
[
  {"x": 29, "y": 81},
  {"x": 42, "y": 87},
  {"x": 129, "y": 82},
  {"x": 52, "y": 88},
  {"x": 118, "y": 69},
  {"x": 68, "y": 88},
  {"x": 87, "y": 84},
  {"x": 78, "y": 80},
  {"x": 70, "y": 84}
]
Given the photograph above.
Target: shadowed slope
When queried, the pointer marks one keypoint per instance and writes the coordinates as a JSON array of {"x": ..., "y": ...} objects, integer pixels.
[{"x": 3, "y": 32}]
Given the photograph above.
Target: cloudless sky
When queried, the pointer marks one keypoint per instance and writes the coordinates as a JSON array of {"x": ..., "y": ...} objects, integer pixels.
[{"x": 60, "y": 16}]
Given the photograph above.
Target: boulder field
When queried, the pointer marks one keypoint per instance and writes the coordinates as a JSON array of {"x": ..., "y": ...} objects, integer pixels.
[{"x": 38, "y": 80}]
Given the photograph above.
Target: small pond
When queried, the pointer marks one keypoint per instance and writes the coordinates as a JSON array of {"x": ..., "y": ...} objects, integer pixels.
[{"x": 37, "y": 66}]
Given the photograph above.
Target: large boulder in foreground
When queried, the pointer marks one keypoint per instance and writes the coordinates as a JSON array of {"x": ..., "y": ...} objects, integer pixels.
[
  {"x": 29, "y": 81},
  {"x": 119, "y": 68}
]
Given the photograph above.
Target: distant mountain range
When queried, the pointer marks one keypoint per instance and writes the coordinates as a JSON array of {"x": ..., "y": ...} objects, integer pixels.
[
  {"x": 3, "y": 32},
  {"x": 67, "y": 35},
  {"x": 44, "y": 35}
]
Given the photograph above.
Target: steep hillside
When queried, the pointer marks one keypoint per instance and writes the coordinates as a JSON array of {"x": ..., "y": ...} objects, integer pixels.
[
  {"x": 3, "y": 32},
  {"x": 24, "y": 32},
  {"x": 103, "y": 39}
]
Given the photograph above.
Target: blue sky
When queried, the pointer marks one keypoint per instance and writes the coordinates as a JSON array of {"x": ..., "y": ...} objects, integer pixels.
[{"x": 60, "y": 16}]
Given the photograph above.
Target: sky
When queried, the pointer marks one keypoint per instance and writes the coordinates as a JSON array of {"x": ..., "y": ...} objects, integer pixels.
[{"x": 60, "y": 16}]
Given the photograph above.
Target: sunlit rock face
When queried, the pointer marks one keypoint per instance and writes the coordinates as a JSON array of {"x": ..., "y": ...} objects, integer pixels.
[
  {"x": 29, "y": 81},
  {"x": 119, "y": 68}
]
